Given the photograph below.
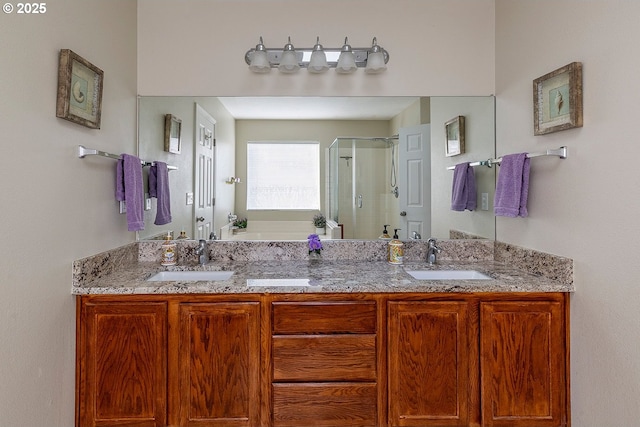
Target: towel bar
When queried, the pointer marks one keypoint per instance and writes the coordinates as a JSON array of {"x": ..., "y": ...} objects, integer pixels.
[
  {"x": 84, "y": 151},
  {"x": 560, "y": 152}
]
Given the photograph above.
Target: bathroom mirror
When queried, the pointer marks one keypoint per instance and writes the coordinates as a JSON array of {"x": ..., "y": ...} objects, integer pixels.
[{"x": 237, "y": 120}]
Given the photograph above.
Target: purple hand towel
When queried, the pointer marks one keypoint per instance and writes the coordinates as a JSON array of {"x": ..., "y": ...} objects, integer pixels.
[
  {"x": 463, "y": 192},
  {"x": 159, "y": 188},
  {"x": 130, "y": 190},
  {"x": 512, "y": 189}
]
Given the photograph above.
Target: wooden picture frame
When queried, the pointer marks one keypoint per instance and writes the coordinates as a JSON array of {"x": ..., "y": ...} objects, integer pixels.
[
  {"x": 172, "y": 134},
  {"x": 454, "y": 136},
  {"x": 557, "y": 100},
  {"x": 79, "y": 90}
]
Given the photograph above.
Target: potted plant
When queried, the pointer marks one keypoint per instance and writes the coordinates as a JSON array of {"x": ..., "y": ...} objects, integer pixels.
[
  {"x": 320, "y": 222},
  {"x": 239, "y": 225}
]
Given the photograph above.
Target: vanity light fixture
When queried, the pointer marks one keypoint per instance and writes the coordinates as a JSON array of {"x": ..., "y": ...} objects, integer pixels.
[
  {"x": 317, "y": 59},
  {"x": 259, "y": 61}
]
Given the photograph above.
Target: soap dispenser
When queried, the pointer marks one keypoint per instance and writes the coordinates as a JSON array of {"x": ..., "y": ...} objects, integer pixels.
[
  {"x": 169, "y": 253},
  {"x": 396, "y": 249},
  {"x": 385, "y": 233}
]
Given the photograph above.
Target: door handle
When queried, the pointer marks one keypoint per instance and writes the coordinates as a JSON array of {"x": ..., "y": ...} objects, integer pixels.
[
  {"x": 199, "y": 219},
  {"x": 360, "y": 200},
  {"x": 403, "y": 213}
]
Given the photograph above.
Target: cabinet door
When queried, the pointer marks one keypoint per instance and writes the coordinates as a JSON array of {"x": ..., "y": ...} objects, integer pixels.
[
  {"x": 430, "y": 364},
  {"x": 123, "y": 364},
  {"x": 219, "y": 359},
  {"x": 523, "y": 364}
]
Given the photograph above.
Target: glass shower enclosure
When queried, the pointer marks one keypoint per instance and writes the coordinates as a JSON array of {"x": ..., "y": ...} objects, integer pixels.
[{"x": 362, "y": 179}]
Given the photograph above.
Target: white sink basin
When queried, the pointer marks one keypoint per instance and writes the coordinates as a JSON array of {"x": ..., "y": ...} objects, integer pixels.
[
  {"x": 177, "y": 276},
  {"x": 277, "y": 282},
  {"x": 448, "y": 275}
]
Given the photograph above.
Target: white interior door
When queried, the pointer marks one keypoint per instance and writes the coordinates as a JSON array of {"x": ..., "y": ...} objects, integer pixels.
[
  {"x": 204, "y": 173},
  {"x": 414, "y": 181}
]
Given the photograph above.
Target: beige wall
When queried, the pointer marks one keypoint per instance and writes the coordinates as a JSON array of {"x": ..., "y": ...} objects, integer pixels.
[
  {"x": 410, "y": 116},
  {"x": 585, "y": 207},
  {"x": 436, "y": 47},
  {"x": 55, "y": 207}
]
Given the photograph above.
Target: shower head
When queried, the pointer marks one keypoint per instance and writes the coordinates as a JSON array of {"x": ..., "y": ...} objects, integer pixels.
[{"x": 347, "y": 158}]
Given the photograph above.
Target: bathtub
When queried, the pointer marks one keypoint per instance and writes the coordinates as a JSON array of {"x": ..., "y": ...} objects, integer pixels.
[{"x": 277, "y": 230}]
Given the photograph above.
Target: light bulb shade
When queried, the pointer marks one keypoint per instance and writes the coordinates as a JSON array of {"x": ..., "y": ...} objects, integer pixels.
[
  {"x": 318, "y": 62},
  {"x": 375, "y": 59},
  {"x": 259, "y": 62},
  {"x": 375, "y": 63},
  {"x": 289, "y": 62},
  {"x": 346, "y": 63}
]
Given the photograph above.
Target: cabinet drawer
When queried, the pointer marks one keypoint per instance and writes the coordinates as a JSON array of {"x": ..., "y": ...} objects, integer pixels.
[
  {"x": 335, "y": 404},
  {"x": 348, "y": 317},
  {"x": 324, "y": 358}
]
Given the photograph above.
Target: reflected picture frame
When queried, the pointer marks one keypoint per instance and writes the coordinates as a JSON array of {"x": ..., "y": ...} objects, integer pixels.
[
  {"x": 454, "y": 136},
  {"x": 172, "y": 134},
  {"x": 557, "y": 100},
  {"x": 80, "y": 85}
]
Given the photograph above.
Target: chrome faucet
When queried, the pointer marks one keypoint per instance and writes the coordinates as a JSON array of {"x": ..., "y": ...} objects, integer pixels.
[
  {"x": 432, "y": 251},
  {"x": 202, "y": 252}
]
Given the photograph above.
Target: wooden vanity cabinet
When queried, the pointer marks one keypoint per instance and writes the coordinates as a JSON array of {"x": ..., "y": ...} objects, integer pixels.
[
  {"x": 524, "y": 353},
  {"x": 155, "y": 361},
  {"x": 122, "y": 364},
  {"x": 432, "y": 363},
  {"x": 324, "y": 363},
  {"x": 328, "y": 360},
  {"x": 495, "y": 360},
  {"x": 219, "y": 364}
]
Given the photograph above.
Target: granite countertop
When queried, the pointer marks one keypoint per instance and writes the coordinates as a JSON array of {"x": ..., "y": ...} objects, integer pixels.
[{"x": 324, "y": 276}]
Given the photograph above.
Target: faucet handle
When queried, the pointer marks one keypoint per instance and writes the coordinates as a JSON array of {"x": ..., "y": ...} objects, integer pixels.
[
  {"x": 432, "y": 250},
  {"x": 201, "y": 251},
  {"x": 432, "y": 244}
]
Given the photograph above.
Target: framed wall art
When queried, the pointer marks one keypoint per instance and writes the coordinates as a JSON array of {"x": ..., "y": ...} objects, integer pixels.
[
  {"x": 454, "y": 131},
  {"x": 172, "y": 131},
  {"x": 557, "y": 100},
  {"x": 79, "y": 90}
]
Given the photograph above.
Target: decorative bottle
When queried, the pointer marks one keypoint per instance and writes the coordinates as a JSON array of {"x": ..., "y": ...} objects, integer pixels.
[
  {"x": 169, "y": 254},
  {"x": 396, "y": 249}
]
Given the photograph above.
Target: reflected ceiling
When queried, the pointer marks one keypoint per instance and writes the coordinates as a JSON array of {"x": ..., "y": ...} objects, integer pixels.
[{"x": 316, "y": 108}]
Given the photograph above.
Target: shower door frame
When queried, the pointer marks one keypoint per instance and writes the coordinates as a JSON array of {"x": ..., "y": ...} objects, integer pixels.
[{"x": 336, "y": 209}]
